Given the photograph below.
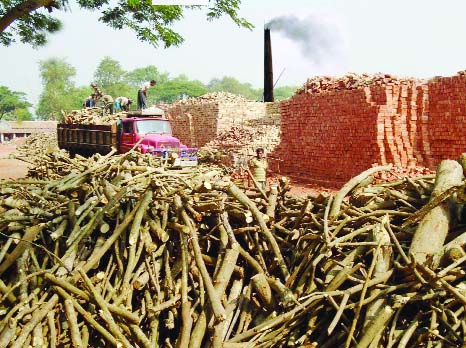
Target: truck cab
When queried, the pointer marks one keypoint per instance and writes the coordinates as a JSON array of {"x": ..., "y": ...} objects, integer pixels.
[{"x": 154, "y": 135}]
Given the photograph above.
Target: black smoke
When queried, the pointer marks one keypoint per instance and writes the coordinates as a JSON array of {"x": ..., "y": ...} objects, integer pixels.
[{"x": 317, "y": 37}]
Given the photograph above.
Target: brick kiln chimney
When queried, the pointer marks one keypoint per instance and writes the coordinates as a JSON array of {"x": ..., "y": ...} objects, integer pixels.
[{"x": 268, "y": 68}]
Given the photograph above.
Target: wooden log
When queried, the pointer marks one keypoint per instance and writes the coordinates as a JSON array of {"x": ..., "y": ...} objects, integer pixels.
[
  {"x": 383, "y": 264},
  {"x": 351, "y": 185},
  {"x": 430, "y": 235}
]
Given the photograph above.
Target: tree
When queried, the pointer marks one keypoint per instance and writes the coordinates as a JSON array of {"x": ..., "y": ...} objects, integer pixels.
[
  {"x": 284, "y": 92},
  {"x": 175, "y": 89},
  {"x": 137, "y": 76},
  {"x": 13, "y": 105},
  {"x": 59, "y": 92},
  {"x": 109, "y": 72},
  {"x": 32, "y": 20},
  {"x": 232, "y": 85},
  {"x": 111, "y": 77}
]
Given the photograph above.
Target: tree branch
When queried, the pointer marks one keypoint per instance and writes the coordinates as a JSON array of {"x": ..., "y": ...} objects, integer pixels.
[{"x": 23, "y": 9}]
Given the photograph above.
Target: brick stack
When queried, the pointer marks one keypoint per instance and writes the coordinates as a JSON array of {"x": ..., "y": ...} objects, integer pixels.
[
  {"x": 447, "y": 117},
  {"x": 330, "y": 135},
  {"x": 197, "y": 121},
  {"x": 238, "y": 144},
  {"x": 194, "y": 124},
  {"x": 399, "y": 124}
]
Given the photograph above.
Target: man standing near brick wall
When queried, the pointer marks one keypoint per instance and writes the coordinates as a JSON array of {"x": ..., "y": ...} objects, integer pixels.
[{"x": 259, "y": 167}]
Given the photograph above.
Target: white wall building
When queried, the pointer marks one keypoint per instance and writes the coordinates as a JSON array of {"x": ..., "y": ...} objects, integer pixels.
[{"x": 10, "y": 130}]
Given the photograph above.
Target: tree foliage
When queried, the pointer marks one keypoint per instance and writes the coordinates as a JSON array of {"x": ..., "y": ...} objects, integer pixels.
[
  {"x": 31, "y": 21},
  {"x": 13, "y": 105},
  {"x": 109, "y": 72},
  {"x": 232, "y": 85},
  {"x": 178, "y": 88},
  {"x": 110, "y": 77},
  {"x": 137, "y": 76},
  {"x": 284, "y": 92},
  {"x": 59, "y": 91}
]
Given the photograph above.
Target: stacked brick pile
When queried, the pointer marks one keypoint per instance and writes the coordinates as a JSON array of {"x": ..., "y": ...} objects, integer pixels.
[
  {"x": 237, "y": 145},
  {"x": 332, "y": 134},
  {"x": 398, "y": 173},
  {"x": 326, "y": 84},
  {"x": 446, "y": 119},
  {"x": 197, "y": 121},
  {"x": 334, "y": 128}
]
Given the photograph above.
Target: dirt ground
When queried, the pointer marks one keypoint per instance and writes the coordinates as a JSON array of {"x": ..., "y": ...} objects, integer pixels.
[
  {"x": 11, "y": 168},
  {"x": 303, "y": 189},
  {"x": 297, "y": 187}
]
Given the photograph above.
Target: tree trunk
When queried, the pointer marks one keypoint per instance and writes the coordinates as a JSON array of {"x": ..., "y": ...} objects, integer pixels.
[
  {"x": 20, "y": 10},
  {"x": 433, "y": 229}
]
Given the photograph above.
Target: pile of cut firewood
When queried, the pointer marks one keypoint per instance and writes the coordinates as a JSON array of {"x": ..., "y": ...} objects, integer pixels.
[
  {"x": 95, "y": 115},
  {"x": 127, "y": 254}
]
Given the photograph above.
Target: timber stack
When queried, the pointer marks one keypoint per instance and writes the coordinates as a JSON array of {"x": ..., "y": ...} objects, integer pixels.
[{"x": 93, "y": 115}]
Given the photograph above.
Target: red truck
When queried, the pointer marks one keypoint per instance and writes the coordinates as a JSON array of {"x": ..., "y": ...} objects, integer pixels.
[{"x": 152, "y": 133}]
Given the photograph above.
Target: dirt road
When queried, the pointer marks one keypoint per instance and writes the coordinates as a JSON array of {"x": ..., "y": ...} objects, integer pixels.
[{"x": 11, "y": 168}]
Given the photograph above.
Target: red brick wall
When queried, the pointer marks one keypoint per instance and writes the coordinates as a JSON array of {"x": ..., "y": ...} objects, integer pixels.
[
  {"x": 447, "y": 117},
  {"x": 194, "y": 124},
  {"x": 322, "y": 133},
  {"x": 329, "y": 138}
]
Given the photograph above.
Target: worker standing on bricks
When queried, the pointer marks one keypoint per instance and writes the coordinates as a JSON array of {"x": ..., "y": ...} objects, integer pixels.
[{"x": 142, "y": 94}]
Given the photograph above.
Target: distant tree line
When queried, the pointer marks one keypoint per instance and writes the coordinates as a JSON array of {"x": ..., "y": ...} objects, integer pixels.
[
  {"x": 61, "y": 93},
  {"x": 13, "y": 105}
]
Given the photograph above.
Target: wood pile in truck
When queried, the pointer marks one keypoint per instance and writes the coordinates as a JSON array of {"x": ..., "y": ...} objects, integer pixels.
[{"x": 93, "y": 115}]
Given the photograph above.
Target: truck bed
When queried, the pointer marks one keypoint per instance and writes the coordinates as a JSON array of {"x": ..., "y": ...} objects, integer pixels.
[{"x": 87, "y": 139}]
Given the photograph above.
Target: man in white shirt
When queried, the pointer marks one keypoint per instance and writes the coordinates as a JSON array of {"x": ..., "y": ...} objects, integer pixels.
[{"x": 142, "y": 94}]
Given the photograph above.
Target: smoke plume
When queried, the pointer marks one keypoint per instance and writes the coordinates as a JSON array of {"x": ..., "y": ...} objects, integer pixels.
[{"x": 317, "y": 37}]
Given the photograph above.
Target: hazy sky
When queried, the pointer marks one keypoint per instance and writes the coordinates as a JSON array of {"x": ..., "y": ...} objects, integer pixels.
[{"x": 421, "y": 38}]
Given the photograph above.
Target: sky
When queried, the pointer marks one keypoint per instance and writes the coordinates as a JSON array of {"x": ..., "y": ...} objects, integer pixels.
[{"x": 419, "y": 38}]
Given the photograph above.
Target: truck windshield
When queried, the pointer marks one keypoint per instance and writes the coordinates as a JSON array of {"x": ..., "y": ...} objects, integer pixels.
[{"x": 153, "y": 127}]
